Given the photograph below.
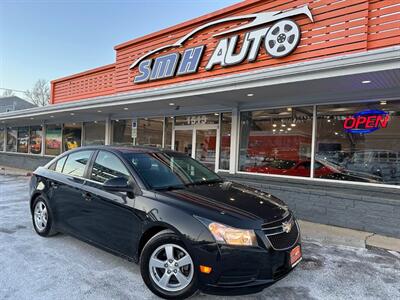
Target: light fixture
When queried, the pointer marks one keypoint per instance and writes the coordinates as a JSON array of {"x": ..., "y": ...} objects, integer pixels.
[
  {"x": 293, "y": 125},
  {"x": 366, "y": 81},
  {"x": 289, "y": 129},
  {"x": 336, "y": 133},
  {"x": 329, "y": 120},
  {"x": 274, "y": 125},
  {"x": 99, "y": 111},
  {"x": 95, "y": 122},
  {"x": 250, "y": 95},
  {"x": 51, "y": 116},
  {"x": 125, "y": 108},
  {"x": 171, "y": 104},
  {"x": 273, "y": 130},
  {"x": 383, "y": 102},
  {"x": 280, "y": 130},
  {"x": 283, "y": 125},
  {"x": 32, "y": 118},
  {"x": 289, "y": 109},
  {"x": 216, "y": 114},
  {"x": 72, "y": 114}
]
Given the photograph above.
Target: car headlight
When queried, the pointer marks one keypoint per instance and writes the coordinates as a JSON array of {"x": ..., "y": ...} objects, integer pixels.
[
  {"x": 225, "y": 234},
  {"x": 232, "y": 236}
]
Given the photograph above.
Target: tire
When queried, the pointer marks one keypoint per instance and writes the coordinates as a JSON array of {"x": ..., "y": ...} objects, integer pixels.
[
  {"x": 42, "y": 218},
  {"x": 153, "y": 274}
]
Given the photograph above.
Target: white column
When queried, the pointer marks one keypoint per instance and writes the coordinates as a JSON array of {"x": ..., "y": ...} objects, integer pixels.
[
  {"x": 42, "y": 153},
  {"x": 313, "y": 139},
  {"x": 234, "y": 141},
  {"x": 108, "y": 131}
]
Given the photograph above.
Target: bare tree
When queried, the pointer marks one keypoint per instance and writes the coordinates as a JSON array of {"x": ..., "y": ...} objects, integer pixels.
[
  {"x": 40, "y": 93},
  {"x": 8, "y": 93}
]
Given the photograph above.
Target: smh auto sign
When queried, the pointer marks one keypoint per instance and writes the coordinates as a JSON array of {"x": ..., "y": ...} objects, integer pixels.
[{"x": 278, "y": 40}]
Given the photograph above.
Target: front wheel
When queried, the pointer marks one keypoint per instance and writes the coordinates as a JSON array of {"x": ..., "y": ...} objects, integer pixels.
[{"x": 167, "y": 268}]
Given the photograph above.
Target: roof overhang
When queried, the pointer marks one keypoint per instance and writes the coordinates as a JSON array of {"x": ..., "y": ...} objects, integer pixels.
[{"x": 328, "y": 80}]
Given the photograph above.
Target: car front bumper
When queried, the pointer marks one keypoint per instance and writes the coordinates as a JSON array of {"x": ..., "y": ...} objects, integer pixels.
[{"x": 243, "y": 270}]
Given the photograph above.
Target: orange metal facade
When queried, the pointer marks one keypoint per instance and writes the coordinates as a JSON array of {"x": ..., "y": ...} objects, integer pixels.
[{"x": 339, "y": 28}]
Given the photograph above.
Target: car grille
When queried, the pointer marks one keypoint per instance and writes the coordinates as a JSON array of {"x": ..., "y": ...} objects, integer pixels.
[{"x": 278, "y": 237}]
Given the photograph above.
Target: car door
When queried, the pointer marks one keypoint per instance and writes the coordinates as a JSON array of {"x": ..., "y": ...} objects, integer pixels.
[
  {"x": 114, "y": 224},
  {"x": 71, "y": 208}
]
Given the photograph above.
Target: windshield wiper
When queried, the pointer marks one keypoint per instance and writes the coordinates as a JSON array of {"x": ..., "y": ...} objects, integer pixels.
[
  {"x": 170, "y": 188},
  {"x": 205, "y": 182}
]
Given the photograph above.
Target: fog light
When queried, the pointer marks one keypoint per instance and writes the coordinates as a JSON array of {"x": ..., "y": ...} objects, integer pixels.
[{"x": 205, "y": 269}]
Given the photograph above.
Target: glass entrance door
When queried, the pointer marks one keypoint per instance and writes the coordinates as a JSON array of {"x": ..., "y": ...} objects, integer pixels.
[
  {"x": 206, "y": 147},
  {"x": 184, "y": 141},
  {"x": 199, "y": 142}
]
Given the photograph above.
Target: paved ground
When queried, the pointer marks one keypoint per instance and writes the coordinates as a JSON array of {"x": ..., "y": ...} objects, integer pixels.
[{"x": 61, "y": 267}]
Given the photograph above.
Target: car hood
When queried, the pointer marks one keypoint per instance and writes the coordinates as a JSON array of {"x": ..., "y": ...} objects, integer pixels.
[{"x": 229, "y": 198}]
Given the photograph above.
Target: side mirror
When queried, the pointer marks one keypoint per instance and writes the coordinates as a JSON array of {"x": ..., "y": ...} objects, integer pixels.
[{"x": 118, "y": 184}]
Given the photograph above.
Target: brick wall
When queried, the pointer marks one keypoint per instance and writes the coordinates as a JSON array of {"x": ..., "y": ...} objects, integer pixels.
[{"x": 372, "y": 209}]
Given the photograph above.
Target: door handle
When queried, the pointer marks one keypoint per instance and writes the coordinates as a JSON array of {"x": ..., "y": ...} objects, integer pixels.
[{"x": 87, "y": 196}]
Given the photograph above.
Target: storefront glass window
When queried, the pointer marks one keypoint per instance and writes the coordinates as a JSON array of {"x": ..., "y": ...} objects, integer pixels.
[
  {"x": 122, "y": 133},
  {"x": 12, "y": 139},
  {"x": 150, "y": 132},
  {"x": 359, "y": 142},
  {"x": 53, "y": 139},
  {"x": 94, "y": 133},
  {"x": 23, "y": 139},
  {"x": 276, "y": 141},
  {"x": 72, "y": 135},
  {"x": 35, "y": 140},
  {"x": 169, "y": 121},
  {"x": 2, "y": 134},
  {"x": 225, "y": 141}
]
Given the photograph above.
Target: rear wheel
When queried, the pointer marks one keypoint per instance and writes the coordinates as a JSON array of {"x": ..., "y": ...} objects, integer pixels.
[
  {"x": 42, "y": 218},
  {"x": 167, "y": 268}
]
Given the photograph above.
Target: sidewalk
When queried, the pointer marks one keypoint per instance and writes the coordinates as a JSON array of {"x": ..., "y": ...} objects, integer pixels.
[
  {"x": 349, "y": 237},
  {"x": 14, "y": 171}
]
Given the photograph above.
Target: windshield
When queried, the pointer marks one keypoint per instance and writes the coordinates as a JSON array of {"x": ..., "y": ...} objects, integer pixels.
[{"x": 170, "y": 170}]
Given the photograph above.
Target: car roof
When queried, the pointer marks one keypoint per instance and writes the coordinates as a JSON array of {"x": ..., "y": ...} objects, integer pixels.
[{"x": 126, "y": 149}]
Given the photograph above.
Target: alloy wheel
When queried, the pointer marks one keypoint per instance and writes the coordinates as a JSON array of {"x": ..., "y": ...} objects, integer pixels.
[
  {"x": 171, "y": 267},
  {"x": 40, "y": 216}
]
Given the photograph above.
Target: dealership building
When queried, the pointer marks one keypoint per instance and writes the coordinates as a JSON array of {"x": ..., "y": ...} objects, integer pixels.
[{"x": 300, "y": 98}]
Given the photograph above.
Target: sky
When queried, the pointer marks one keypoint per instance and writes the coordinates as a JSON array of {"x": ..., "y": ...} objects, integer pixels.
[{"x": 52, "y": 39}]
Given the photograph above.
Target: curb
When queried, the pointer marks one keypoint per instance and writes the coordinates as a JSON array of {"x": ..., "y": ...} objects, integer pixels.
[{"x": 348, "y": 237}]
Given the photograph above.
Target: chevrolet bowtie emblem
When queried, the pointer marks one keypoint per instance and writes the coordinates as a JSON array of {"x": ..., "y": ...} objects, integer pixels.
[{"x": 287, "y": 226}]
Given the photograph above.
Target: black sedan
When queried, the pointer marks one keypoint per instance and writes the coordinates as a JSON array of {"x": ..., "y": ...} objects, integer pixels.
[{"x": 187, "y": 227}]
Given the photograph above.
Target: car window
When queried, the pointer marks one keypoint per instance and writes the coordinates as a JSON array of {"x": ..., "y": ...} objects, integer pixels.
[
  {"x": 106, "y": 166},
  {"x": 170, "y": 170},
  {"x": 59, "y": 164},
  {"x": 76, "y": 163}
]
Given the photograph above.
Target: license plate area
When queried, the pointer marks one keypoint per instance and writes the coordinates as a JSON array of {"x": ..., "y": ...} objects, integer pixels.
[{"x": 295, "y": 256}]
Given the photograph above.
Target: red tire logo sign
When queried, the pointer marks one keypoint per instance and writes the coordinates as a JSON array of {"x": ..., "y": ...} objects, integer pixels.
[
  {"x": 366, "y": 121},
  {"x": 278, "y": 40}
]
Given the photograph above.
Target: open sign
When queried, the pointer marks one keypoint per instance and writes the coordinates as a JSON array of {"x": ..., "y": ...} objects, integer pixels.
[{"x": 366, "y": 121}]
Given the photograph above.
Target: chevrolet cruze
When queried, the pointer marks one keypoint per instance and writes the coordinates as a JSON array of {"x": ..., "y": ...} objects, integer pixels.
[{"x": 188, "y": 228}]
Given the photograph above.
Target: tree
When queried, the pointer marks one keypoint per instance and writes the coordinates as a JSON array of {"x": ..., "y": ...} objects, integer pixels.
[
  {"x": 8, "y": 93},
  {"x": 40, "y": 93}
]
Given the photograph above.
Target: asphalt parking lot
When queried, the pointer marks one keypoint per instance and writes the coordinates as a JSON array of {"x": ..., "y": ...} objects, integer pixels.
[{"x": 62, "y": 267}]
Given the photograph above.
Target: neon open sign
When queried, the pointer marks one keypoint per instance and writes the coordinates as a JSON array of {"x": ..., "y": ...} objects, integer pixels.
[{"x": 366, "y": 121}]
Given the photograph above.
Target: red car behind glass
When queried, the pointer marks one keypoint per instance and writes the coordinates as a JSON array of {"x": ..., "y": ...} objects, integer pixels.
[{"x": 293, "y": 168}]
